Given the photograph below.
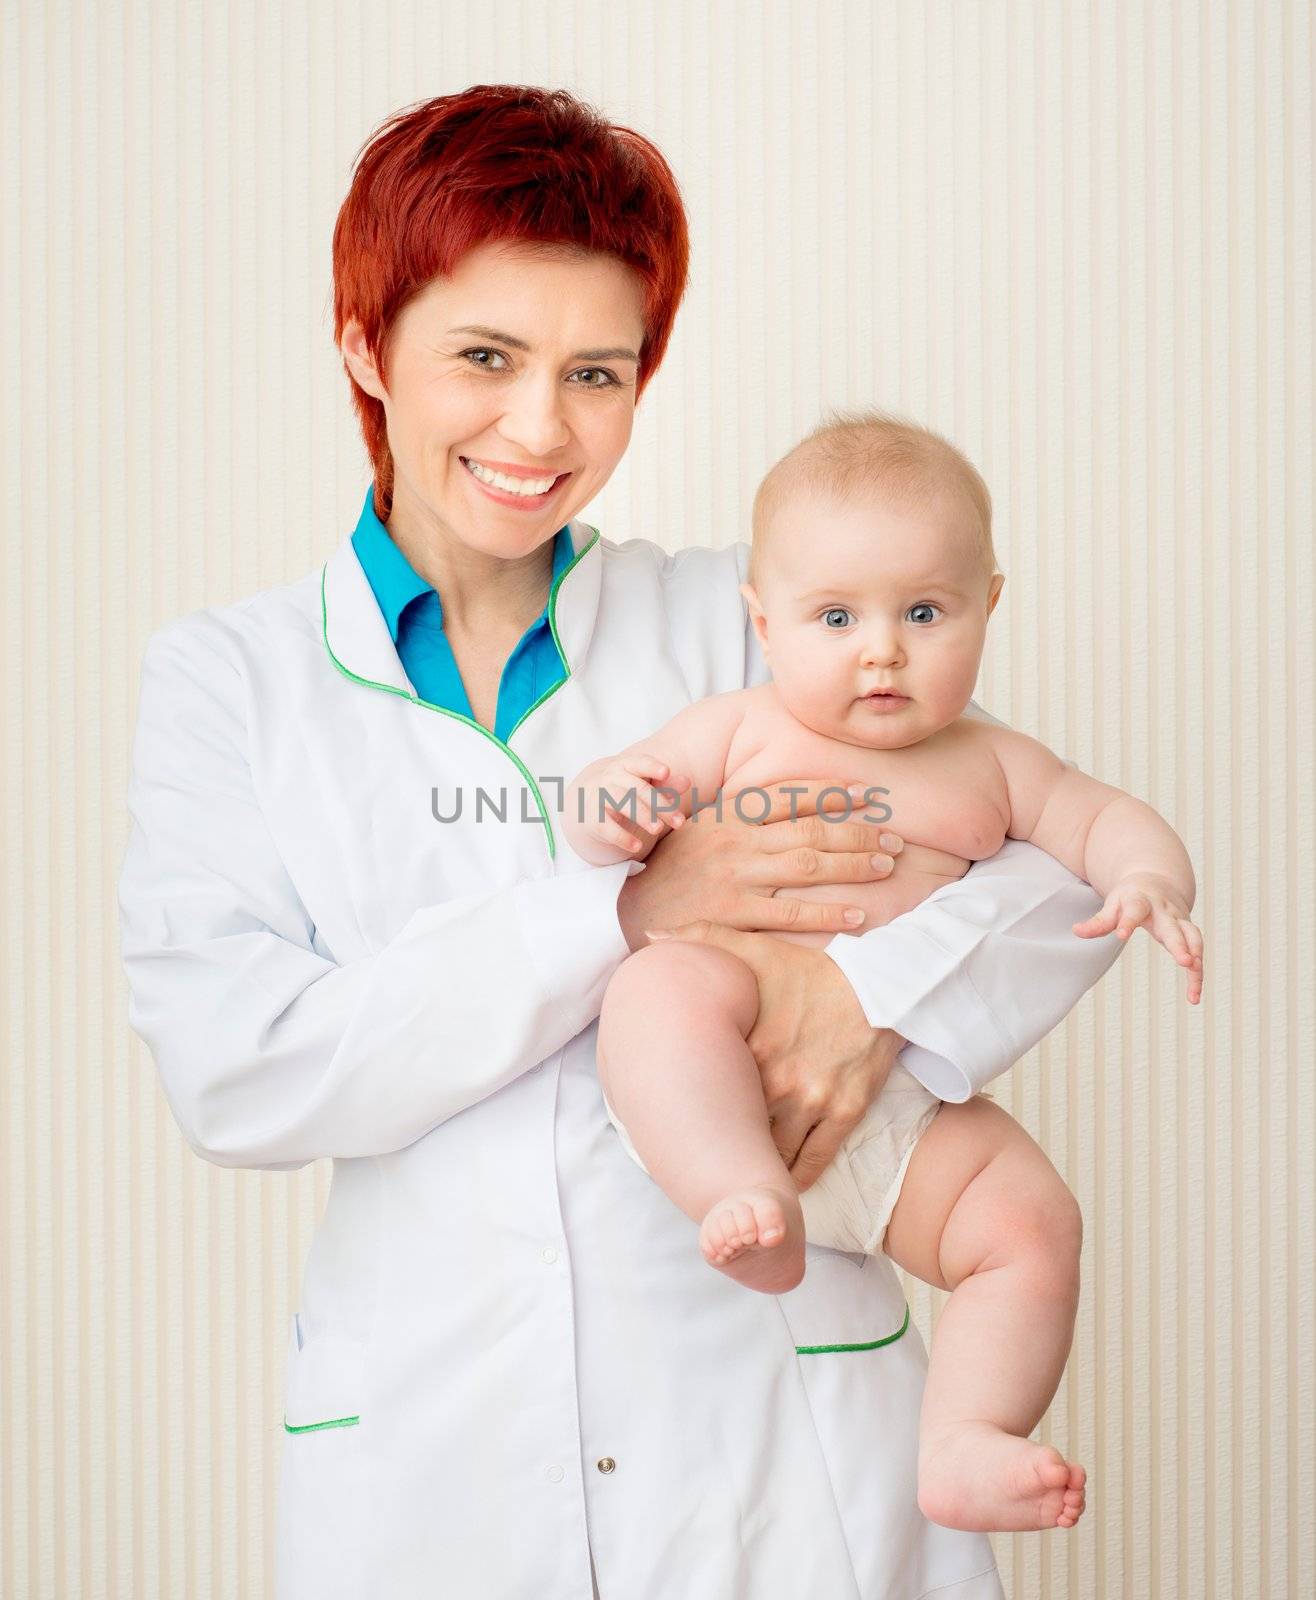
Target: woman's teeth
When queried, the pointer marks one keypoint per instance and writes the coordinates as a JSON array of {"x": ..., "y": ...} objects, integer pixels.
[{"x": 500, "y": 480}]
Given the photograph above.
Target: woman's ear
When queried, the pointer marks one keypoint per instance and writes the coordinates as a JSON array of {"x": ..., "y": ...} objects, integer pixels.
[
  {"x": 756, "y": 616},
  {"x": 359, "y": 361},
  {"x": 994, "y": 593}
]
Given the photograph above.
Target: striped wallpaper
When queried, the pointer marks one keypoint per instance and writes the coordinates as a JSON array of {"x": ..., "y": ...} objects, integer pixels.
[{"x": 1075, "y": 237}]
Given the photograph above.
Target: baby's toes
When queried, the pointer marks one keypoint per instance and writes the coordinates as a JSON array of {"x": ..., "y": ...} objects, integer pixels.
[
  {"x": 747, "y": 1228},
  {"x": 1074, "y": 1499},
  {"x": 1052, "y": 1469},
  {"x": 769, "y": 1219},
  {"x": 713, "y": 1237}
]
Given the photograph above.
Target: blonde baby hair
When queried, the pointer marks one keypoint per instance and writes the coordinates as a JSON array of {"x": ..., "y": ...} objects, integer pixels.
[{"x": 858, "y": 454}]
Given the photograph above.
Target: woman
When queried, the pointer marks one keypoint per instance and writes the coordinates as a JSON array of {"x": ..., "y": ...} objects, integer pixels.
[{"x": 509, "y": 1368}]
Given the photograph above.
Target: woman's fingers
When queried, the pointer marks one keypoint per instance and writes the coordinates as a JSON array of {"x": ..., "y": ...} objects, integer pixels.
[
  {"x": 787, "y": 801},
  {"x": 781, "y": 914},
  {"x": 814, "y": 850},
  {"x": 791, "y": 802}
]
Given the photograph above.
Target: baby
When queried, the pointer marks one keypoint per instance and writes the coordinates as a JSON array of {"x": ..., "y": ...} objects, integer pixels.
[{"x": 872, "y": 577}]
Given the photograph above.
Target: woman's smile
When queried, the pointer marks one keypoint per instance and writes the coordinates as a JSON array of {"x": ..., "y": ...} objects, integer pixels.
[{"x": 522, "y": 487}]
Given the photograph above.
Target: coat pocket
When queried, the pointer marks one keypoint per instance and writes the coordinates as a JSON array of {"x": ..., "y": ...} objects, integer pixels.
[
  {"x": 846, "y": 1303},
  {"x": 325, "y": 1378}
]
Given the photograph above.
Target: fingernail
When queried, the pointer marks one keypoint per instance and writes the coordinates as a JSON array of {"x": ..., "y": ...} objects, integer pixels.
[
  {"x": 857, "y": 790},
  {"x": 890, "y": 841},
  {"x": 656, "y": 933},
  {"x": 854, "y": 916},
  {"x": 882, "y": 863}
]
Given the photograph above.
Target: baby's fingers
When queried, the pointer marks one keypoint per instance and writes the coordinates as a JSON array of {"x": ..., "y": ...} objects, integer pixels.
[
  {"x": 1102, "y": 922},
  {"x": 1193, "y": 938},
  {"x": 610, "y": 831},
  {"x": 1122, "y": 913},
  {"x": 654, "y": 808},
  {"x": 645, "y": 766},
  {"x": 1134, "y": 911},
  {"x": 1167, "y": 929}
]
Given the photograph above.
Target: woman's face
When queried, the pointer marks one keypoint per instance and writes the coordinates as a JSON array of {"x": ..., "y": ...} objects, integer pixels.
[{"x": 511, "y": 393}]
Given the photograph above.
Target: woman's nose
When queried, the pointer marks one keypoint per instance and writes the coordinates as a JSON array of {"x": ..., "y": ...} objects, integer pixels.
[{"x": 534, "y": 419}]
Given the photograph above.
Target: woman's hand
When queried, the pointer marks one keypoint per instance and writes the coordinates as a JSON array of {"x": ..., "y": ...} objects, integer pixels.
[
  {"x": 728, "y": 871},
  {"x": 821, "y": 1063}
]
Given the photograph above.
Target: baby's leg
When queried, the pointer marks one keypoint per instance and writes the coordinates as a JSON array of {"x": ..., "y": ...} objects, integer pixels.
[
  {"x": 675, "y": 1067},
  {"x": 983, "y": 1213}
]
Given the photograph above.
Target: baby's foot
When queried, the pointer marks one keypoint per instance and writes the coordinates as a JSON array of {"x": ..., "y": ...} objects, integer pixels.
[
  {"x": 974, "y": 1475},
  {"x": 756, "y": 1236}
]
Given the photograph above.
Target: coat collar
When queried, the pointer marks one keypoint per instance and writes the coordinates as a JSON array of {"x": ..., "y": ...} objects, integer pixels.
[
  {"x": 359, "y": 640},
  {"x": 396, "y": 583}
]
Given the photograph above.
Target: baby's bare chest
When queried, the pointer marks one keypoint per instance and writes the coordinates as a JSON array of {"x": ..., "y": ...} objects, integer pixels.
[{"x": 945, "y": 793}]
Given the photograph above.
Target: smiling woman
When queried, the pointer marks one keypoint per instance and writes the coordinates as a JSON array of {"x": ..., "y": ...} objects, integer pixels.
[
  {"x": 508, "y": 1369},
  {"x": 523, "y": 423}
]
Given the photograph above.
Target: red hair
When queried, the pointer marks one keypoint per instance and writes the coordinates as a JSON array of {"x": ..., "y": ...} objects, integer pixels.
[{"x": 498, "y": 162}]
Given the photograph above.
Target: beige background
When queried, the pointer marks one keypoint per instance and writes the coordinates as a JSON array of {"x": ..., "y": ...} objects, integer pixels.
[{"x": 1077, "y": 238}]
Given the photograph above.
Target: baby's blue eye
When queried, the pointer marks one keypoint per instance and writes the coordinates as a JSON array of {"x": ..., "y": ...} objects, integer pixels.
[
  {"x": 923, "y": 613},
  {"x": 837, "y": 617}
]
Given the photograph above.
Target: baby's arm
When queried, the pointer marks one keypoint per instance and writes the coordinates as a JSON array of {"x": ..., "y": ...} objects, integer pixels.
[
  {"x": 1124, "y": 849},
  {"x": 651, "y": 785}
]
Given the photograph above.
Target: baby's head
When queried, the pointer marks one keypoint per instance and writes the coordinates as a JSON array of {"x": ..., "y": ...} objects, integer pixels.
[{"x": 873, "y": 569}]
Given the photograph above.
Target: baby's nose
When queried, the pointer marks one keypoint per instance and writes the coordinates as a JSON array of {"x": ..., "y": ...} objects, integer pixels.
[{"x": 882, "y": 650}]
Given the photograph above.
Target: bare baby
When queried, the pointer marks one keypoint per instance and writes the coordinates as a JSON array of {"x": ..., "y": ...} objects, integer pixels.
[{"x": 872, "y": 579}]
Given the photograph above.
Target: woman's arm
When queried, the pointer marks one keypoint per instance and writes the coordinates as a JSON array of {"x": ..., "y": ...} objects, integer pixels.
[
  {"x": 981, "y": 970},
  {"x": 272, "y": 1054}
]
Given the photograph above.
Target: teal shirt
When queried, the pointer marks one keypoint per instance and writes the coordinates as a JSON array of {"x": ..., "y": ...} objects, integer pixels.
[{"x": 414, "y": 614}]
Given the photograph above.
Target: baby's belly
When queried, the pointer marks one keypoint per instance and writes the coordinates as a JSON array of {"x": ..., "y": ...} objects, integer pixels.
[
  {"x": 937, "y": 795},
  {"x": 919, "y": 873}
]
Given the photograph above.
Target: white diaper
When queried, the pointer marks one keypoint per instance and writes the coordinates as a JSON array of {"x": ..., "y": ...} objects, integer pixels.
[{"x": 849, "y": 1206}]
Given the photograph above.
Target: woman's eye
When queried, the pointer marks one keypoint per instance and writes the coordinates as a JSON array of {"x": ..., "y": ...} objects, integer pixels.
[
  {"x": 837, "y": 617},
  {"x": 496, "y": 361},
  {"x": 923, "y": 613}
]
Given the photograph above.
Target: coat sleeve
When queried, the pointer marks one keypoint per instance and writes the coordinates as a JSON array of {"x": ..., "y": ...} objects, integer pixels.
[
  {"x": 271, "y": 1054},
  {"x": 983, "y": 968}
]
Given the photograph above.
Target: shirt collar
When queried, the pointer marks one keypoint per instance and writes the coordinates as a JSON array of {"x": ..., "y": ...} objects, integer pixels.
[{"x": 394, "y": 580}]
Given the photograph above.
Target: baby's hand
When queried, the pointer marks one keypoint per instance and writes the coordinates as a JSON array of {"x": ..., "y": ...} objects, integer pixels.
[
  {"x": 1144, "y": 898},
  {"x": 617, "y": 797}
]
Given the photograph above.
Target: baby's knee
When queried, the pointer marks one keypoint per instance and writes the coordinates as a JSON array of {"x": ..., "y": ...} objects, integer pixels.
[
  {"x": 685, "y": 975},
  {"x": 1045, "y": 1224}
]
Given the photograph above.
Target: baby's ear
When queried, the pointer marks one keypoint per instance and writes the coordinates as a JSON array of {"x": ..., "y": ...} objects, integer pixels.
[
  {"x": 756, "y": 614},
  {"x": 994, "y": 593}
]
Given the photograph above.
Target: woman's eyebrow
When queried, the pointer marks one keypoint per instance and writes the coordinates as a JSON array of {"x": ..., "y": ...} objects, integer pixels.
[{"x": 617, "y": 353}]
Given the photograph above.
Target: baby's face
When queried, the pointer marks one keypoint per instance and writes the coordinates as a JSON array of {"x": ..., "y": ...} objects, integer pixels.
[{"x": 872, "y": 616}]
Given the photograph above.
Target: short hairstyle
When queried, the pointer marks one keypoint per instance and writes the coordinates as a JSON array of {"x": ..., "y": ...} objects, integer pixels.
[
  {"x": 856, "y": 454},
  {"x": 498, "y": 162}
]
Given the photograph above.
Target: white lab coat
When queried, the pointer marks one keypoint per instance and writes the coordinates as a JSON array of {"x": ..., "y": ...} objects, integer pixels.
[{"x": 508, "y": 1348}]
